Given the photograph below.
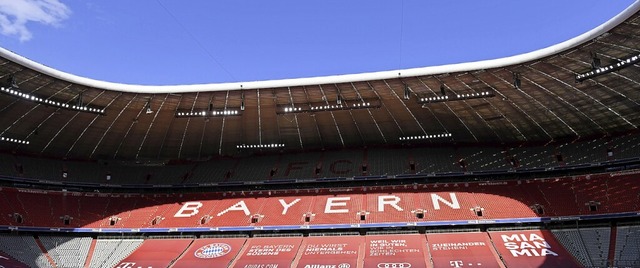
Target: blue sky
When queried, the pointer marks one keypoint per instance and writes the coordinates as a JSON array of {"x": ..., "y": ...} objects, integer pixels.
[{"x": 163, "y": 42}]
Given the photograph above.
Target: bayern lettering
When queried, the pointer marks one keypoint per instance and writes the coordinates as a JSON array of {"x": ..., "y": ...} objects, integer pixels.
[
  {"x": 190, "y": 207},
  {"x": 240, "y": 206},
  {"x": 331, "y": 202},
  {"x": 333, "y": 205},
  {"x": 391, "y": 200},
  {"x": 436, "y": 199},
  {"x": 285, "y": 206}
]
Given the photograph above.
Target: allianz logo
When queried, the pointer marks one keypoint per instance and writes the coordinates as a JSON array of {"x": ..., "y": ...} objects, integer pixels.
[{"x": 342, "y": 265}]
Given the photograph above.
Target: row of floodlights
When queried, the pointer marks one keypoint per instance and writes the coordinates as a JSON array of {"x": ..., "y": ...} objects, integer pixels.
[
  {"x": 260, "y": 146},
  {"x": 458, "y": 96},
  {"x": 438, "y": 98},
  {"x": 473, "y": 95},
  {"x": 292, "y": 109},
  {"x": 364, "y": 104},
  {"x": 87, "y": 109},
  {"x": 50, "y": 102},
  {"x": 13, "y": 140},
  {"x": 609, "y": 68},
  {"x": 327, "y": 107},
  {"x": 424, "y": 137},
  {"x": 210, "y": 113}
]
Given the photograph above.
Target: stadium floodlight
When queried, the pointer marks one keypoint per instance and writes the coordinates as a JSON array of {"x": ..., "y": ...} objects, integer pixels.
[
  {"x": 341, "y": 104},
  {"x": 607, "y": 69},
  {"x": 457, "y": 97},
  {"x": 208, "y": 113},
  {"x": 260, "y": 146},
  {"x": 29, "y": 97},
  {"x": 12, "y": 140},
  {"x": 426, "y": 137}
]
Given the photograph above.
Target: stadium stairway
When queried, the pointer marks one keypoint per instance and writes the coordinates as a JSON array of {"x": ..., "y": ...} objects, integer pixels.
[
  {"x": 46, "y": 253},
  {"x": 244, "y": 248},
  {"x": 296, "y": 260},
  {"x": 92, "y": 247},
  {"x": 612, "y": 246}
]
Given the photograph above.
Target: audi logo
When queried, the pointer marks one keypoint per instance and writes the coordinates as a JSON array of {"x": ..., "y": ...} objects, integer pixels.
[{"x": 394, "y": 265}]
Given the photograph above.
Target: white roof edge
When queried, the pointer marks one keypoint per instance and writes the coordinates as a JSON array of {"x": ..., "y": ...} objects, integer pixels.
[{"x": 432, "y": 70}]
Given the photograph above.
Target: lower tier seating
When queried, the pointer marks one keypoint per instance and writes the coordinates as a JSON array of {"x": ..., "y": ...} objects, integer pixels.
[{"x": 506, "y": 248}]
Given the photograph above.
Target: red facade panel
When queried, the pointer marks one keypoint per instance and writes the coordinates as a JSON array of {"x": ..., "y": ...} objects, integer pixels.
[
  {"x": 531, "y": 248},
  {"x": 330, "y": 251},
  {"x": 395, "y": 251},
  {"x": 155, "y": 253},
  {"x": 461, "y": 250},
  {"x": 269, "y": 252},
  {"x": 210, "y": 252}
]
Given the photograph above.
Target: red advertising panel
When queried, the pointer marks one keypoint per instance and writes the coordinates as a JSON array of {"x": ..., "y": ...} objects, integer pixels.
[
  {"x": 395, "y": 251},
  {"x": 155, "y": 253},
  {"x": 461, "y": 250},
  {"x": 330, "y": 251},
  {"x": 531, "y": 248},
  {"x": 210, "y": 252},
  {"x": 9, "y": 262},
  {"x": 269, "y": 252}
]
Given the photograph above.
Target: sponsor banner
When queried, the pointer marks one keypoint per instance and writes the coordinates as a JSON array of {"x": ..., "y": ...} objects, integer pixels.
[
  {"x": 531, "y": 248},
  {"x": 330, "y": 252},
  {"x": 210, "y": 252},
  {"x": 395, "y": 251},
  {"x": 155, "y": 253},
  {"x": 7, "y": 261},
  {"x": 269, "y": 252},
  {"x": 461, "y": 250}
]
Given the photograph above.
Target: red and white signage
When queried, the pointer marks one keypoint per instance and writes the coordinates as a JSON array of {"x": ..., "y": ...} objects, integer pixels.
[
  {"x": 395, "y": 251},
  {"x": 155, "y": 253},
  {"x": 330, "y": 252},
  {"x": 269, "y": 252},
  {"x": 531, "y": 248},
  {"x": 210, "y": 252},
  {"x": 461, "y": 250}
]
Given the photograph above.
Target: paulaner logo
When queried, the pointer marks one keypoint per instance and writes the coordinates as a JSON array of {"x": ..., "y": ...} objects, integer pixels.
[{"x": 214, "y": 250}]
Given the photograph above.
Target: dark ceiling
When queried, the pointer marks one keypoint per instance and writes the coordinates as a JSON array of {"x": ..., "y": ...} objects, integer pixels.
[{"x": 548, "y": 105}]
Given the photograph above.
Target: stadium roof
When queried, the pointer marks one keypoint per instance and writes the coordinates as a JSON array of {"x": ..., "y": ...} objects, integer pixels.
[{"x": 528, "y": 98}]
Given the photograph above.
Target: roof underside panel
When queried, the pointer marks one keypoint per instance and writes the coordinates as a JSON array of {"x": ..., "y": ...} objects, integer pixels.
[{"x": 547, "y": 105}]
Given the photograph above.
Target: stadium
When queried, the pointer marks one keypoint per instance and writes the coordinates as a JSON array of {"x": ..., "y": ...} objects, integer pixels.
[{"x": 526, "y": 161}]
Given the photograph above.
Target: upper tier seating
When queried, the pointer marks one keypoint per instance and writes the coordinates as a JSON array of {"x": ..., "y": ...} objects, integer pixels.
[{"x": 327, "y": 164}]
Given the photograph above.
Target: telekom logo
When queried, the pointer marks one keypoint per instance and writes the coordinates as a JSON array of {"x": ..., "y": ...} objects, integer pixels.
[{"x": 456, "y": 263}]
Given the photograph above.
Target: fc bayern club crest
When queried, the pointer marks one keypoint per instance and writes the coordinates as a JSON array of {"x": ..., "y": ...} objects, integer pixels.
[{"x": 214, "y": 250}]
